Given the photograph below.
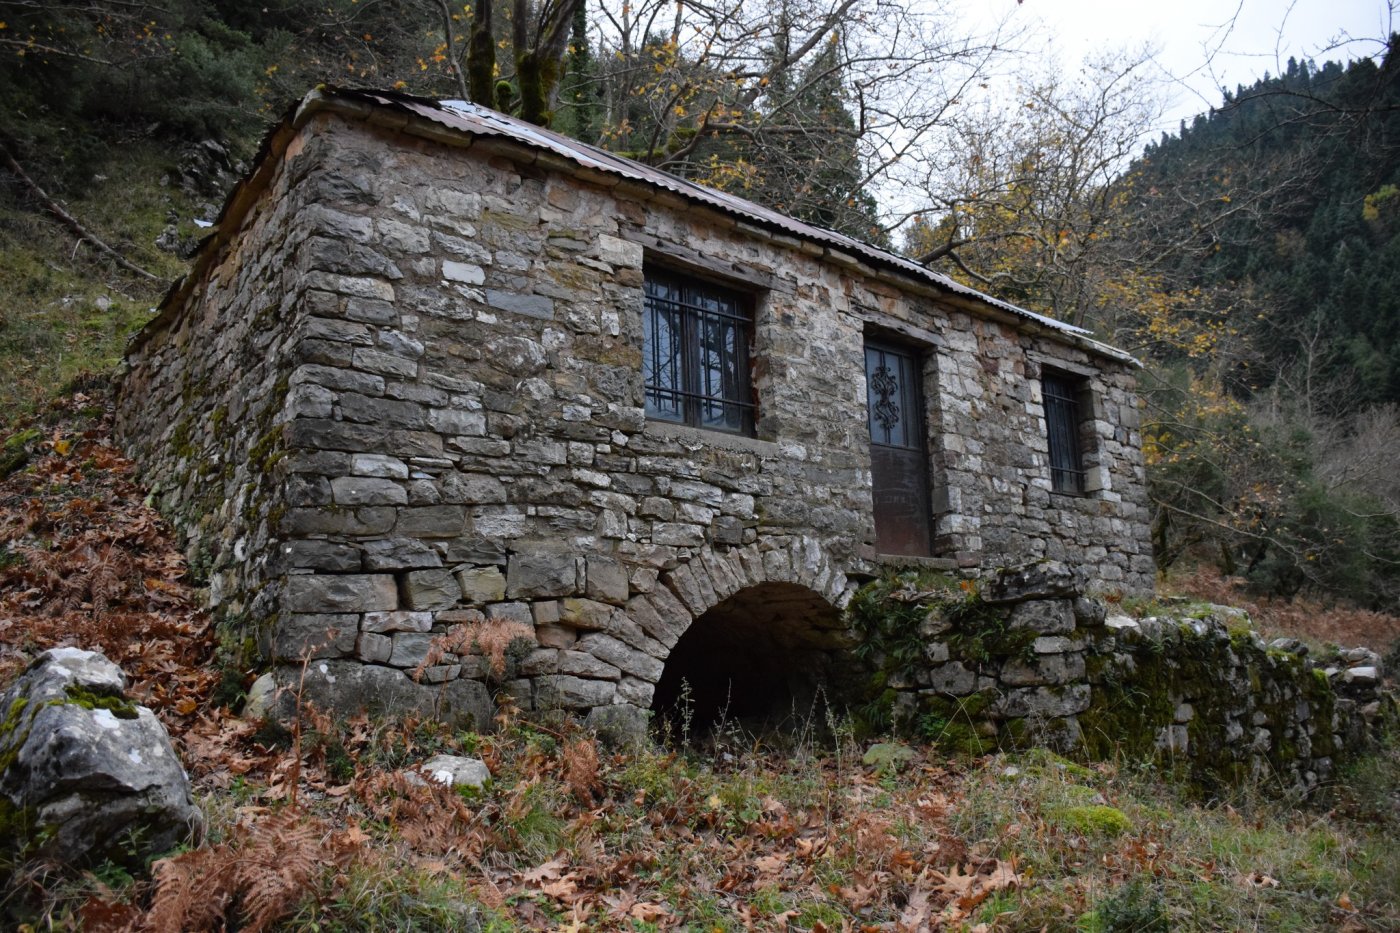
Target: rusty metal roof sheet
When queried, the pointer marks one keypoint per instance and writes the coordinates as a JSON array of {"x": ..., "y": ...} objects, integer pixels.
[{"x": 479, "y": 121}]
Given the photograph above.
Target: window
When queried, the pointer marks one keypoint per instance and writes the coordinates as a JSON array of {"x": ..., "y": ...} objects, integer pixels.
[
  {"x": 1062, "y": 421},
  {"x": 898, "y": 463},
  {"x": 695, "y": 355}
]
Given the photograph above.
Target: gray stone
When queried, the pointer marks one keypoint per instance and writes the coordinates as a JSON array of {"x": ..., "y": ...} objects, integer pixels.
[
  {"x": 411, "y": 648},
  {"x": 449, "y": 421},
  {"x": 516, "y": 303},
  {"x": 372, "y": 520},
  {"x": 346, "y": 592},
  {"x": 378, "y": 465},
  {"x": 531, "y": 575},
  {"x": 1045, "y": 669},
  {"x": 619, "y": 655},
  {"x": 585, "y": 613},
  {"x": 953, "y": 679},
  {"x": 325, "y": 556},
  {"x": 619, "y": 726},
  {"x": 430, "y": 589},
  {"x": 463, "y": 272},
  {"x": 374, "y": 648},
  {"x": 89, "y": 775},
  {"x": 455, "y": 771},
  {"x": 482, "y": 584},
  {"x": 1362, "y": 676},
  {"x": 1046, "y": 579},
  {"x": 399, "y": 554},
  {"x": 396, "y": 622},
  {"x": 351, "y": 686},
  {"x": 511, "y": 612},
  {"x": 1041, "y": 701},
  {"x": 473, "y": 489},
  {"x": 1089, "y": 612},
  {"x": 677, "y": 534},
  {"x": 564, "y": 691},
  {"x": 367, "y": 490},
  {"x": 1045, "y": 616},
  {"x": 607, "y": 580},
  {"x": 261, "y": 697},
  {"x": 431, "y": 521},
  {"x": 583, "y": 664},
  {"x": 315, "y": 635}
]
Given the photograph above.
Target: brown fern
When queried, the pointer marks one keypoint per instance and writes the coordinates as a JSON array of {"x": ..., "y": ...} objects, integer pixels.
[
  {"x": 488, "y": 638},
  {"x": 581, "y": 770},
  {"x": 256, "y": 878}
]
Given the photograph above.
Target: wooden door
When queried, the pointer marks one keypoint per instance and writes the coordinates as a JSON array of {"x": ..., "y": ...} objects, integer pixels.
[{"x": 898, "y": 460}]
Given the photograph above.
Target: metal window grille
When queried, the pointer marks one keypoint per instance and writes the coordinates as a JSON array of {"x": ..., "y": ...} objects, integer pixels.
[
  {"x": 1062, "y": 426},
  {"x": 695, "y": 358}
]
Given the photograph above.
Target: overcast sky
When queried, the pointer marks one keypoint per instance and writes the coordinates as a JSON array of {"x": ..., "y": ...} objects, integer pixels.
[{"x": 1202, "y": 43}]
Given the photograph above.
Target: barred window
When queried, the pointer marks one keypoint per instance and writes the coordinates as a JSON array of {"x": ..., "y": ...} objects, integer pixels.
[
  {"x": 1062, "y": 424},
  {"x": 695, "y": 356}
]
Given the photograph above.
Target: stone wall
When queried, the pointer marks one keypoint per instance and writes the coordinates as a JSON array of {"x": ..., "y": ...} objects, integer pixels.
[
  {"x": 1031, "y": 660},
  {"x": 403, "y": 394}
]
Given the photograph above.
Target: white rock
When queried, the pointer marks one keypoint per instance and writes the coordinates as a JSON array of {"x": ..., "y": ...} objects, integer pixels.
[{"x": 454, "y": 770}]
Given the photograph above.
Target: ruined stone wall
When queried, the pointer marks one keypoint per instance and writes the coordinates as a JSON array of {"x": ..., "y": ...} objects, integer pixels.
[
  {"x": 1031, "y": 660},
  {"x": 414, "y": 378}
]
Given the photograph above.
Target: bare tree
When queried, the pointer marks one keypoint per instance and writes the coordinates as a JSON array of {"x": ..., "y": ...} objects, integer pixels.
[
  {"x": 711, "y": 89},
  {"x": 1028, "y": 199}
]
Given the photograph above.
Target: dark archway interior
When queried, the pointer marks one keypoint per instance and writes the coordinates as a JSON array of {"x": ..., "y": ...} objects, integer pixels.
[{"x": 764, "y": 658}]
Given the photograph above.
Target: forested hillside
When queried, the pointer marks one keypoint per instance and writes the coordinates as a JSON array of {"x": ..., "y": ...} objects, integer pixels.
[
  {"x": 1249, "y": 259},
  {"x": 1273, "y": 225},
  {"x": 1292, "y": 187}
]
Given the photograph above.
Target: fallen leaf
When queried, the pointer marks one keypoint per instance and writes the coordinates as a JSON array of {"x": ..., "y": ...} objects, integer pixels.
[
  {"x": 549, "y": 871},
  {"x": 648, "y": 912},
  {"x": 564, "y": 889}
]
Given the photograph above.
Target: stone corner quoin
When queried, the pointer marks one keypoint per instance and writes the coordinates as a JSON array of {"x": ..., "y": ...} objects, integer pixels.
[{"x": 404, "y": 388}]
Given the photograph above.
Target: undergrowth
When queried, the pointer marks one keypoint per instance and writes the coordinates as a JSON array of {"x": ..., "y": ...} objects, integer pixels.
[{"x": 337, "y": 831}]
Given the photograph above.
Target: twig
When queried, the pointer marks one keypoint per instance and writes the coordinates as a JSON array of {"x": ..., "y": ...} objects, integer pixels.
[{"x": 69, "y": 220}]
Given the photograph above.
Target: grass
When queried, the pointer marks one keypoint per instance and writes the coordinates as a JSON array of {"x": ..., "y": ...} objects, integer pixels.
[
  {"x": 666, "y": 839},
  {"x": 64, "y": 310}
]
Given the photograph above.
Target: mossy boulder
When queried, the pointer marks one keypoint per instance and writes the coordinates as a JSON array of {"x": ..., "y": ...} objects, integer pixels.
[{"x": 85, "y": 774}]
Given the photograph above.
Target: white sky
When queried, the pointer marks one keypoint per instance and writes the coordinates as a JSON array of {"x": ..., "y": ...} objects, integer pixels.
[{"x": 1197, "y": 46}]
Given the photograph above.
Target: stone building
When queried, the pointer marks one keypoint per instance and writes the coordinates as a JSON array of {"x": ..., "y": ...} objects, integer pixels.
[{"x": 436, "y": 365}]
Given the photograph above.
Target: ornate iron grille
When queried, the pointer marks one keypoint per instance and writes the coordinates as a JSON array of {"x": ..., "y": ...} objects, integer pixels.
[{"x": 695, "y": 358}]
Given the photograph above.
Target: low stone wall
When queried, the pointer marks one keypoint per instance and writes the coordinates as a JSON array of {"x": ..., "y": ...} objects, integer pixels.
[{"x": 1031, "y": 660}]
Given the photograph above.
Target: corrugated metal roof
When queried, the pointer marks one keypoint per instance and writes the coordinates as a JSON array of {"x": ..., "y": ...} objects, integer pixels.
[{"x": 479, "y": 121}]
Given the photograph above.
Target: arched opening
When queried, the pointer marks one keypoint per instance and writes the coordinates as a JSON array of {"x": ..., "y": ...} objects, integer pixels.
[{"x": 768, "y": 658}]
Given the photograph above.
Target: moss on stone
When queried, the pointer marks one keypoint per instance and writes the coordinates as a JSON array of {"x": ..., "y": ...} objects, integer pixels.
[
  {"x": 180, "y": 444},
  {"x": 9, "y": 741},
  {"x": 14, "y": 454},
  {"x": 1093, "y": 820},
  {"x": 266, "y": 450},
  {"x": 118, "y": 706}
]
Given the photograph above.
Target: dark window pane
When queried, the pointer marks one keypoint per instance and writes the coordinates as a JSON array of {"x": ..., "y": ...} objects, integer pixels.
[
  {"x": 661, "y": 362},
  {"x": 1062, "y": 429},
  {"x": 695, "y": 354}
]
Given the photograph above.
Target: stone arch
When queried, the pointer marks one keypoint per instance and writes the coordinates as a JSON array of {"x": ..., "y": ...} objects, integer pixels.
[{"x": 782, "y": 595}]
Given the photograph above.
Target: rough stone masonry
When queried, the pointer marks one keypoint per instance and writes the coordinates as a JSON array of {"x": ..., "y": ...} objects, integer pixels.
[{"x": 403, "y": 390}]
